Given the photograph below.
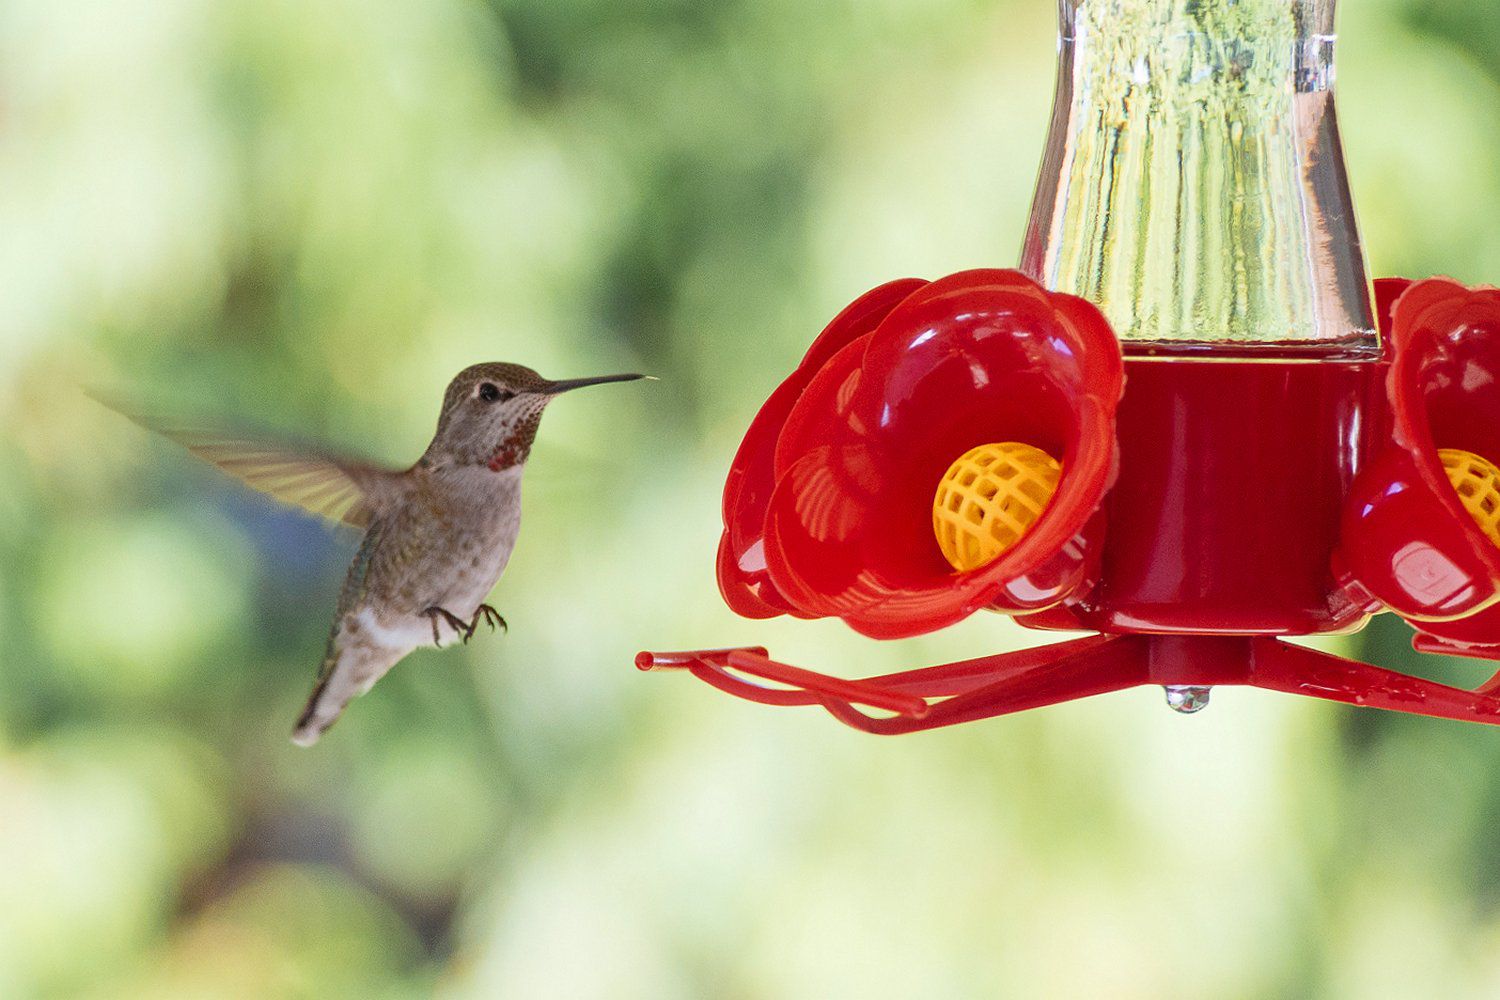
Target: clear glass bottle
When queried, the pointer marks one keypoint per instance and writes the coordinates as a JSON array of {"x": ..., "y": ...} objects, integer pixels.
[{"x": 1194, "y": 185}]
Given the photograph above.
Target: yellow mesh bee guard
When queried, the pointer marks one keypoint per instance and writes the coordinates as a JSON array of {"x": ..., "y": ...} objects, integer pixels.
[
  {"x": 990, "y": 498},
  {"x": 1477, "y": 482}
]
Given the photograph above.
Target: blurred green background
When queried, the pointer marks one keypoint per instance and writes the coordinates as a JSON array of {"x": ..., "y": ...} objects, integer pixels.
[{"x": 309, "y": 214}]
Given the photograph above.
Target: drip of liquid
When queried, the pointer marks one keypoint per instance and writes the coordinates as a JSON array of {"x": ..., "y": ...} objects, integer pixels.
[
  {"x": 1194, "y": 184},
  {"x": 1188, "y": 700}
]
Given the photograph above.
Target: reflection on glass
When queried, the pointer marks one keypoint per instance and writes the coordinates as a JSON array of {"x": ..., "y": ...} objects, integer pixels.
[{"x": 1194, "y": 185}]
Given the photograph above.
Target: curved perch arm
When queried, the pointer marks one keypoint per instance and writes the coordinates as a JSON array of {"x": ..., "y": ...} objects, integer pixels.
[
  {"x": 991, "y": 686},
  {"x": 965, "y": 692}
]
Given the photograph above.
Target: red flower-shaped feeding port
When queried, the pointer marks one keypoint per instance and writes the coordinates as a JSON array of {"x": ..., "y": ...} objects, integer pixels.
[
  {"x": 1424, "y": 521},
  {"x": 828, "y": 507}
]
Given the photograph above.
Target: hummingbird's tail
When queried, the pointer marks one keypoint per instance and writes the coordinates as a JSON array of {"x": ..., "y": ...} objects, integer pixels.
[
  {"x": 345, "y": 675},
  {"x": 312, "y": 723}
]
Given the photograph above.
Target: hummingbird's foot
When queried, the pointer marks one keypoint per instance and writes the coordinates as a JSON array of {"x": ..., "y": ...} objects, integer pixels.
[
  {"x": 458, "y": 625},
  {"x": 490, "y": 616}
]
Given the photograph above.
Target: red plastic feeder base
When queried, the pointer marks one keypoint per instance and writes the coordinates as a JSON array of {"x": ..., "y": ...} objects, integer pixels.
[
  {"x": 1208, "y": 507},
  {"x": 991, "y": 686}
]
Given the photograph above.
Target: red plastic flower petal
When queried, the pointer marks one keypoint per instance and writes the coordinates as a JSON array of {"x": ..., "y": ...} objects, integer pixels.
[
  {"x": 1445, "y": 382},
  {"x": 1407, "y": 536},
  {"x": 978, "y": 357},
  {"x": 1444, "y": 388},
  {"x": 743, "y": 580}
]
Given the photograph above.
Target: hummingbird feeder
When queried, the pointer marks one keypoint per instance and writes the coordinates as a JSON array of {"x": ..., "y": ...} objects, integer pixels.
[{"x": 1188, "y": 425}]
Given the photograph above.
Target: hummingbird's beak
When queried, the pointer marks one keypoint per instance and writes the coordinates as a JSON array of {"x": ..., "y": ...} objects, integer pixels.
[{"x": 568, "y": 385}]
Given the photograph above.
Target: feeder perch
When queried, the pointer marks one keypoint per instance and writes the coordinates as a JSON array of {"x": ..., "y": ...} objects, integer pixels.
[{"x": 1188, "y": 423}]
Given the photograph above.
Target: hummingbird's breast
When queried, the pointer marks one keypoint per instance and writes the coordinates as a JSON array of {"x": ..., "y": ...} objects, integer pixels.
[{"x": 458, "y": 533}]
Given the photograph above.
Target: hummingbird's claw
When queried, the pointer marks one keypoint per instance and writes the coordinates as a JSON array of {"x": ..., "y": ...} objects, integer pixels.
[
  {"x": 491, "y": 618},
  {"x": 462, "y": 629},
  {"x": 458, "y": 625}
]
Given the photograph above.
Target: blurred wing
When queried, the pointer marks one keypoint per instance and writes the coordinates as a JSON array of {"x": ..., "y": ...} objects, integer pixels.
[
  {"x": 341, "y": 489},
  {"x": 336, "y": 488}
]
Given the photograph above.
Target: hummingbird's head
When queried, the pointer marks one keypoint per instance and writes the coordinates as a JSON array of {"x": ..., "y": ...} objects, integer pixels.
[{"x": 491, "y": 413}]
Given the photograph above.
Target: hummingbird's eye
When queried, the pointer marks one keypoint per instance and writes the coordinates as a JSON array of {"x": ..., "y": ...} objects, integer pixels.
[{"x": 492, "y": 393}]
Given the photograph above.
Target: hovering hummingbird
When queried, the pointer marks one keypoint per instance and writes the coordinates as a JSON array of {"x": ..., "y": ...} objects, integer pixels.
[{"x": 437, "y": 535}]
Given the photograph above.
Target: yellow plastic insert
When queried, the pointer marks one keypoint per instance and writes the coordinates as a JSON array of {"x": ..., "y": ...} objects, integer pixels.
[
  {"x": 1477, "y": 481},
  {"x": 990, "y": 498}
]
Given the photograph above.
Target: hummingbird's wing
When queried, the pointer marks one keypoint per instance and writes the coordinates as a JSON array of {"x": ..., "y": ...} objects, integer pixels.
[{"x": 339, "y": 488}]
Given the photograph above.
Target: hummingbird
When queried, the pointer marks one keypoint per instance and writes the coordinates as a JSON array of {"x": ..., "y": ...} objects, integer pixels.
[{"x": 437, "y": 536}]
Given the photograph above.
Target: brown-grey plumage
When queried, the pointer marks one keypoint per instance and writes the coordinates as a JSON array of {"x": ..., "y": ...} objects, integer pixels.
[{"x": 438, "y": 535}]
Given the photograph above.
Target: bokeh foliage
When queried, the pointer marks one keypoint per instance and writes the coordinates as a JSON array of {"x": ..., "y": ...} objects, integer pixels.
[{"x": 308, "y": 214}]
